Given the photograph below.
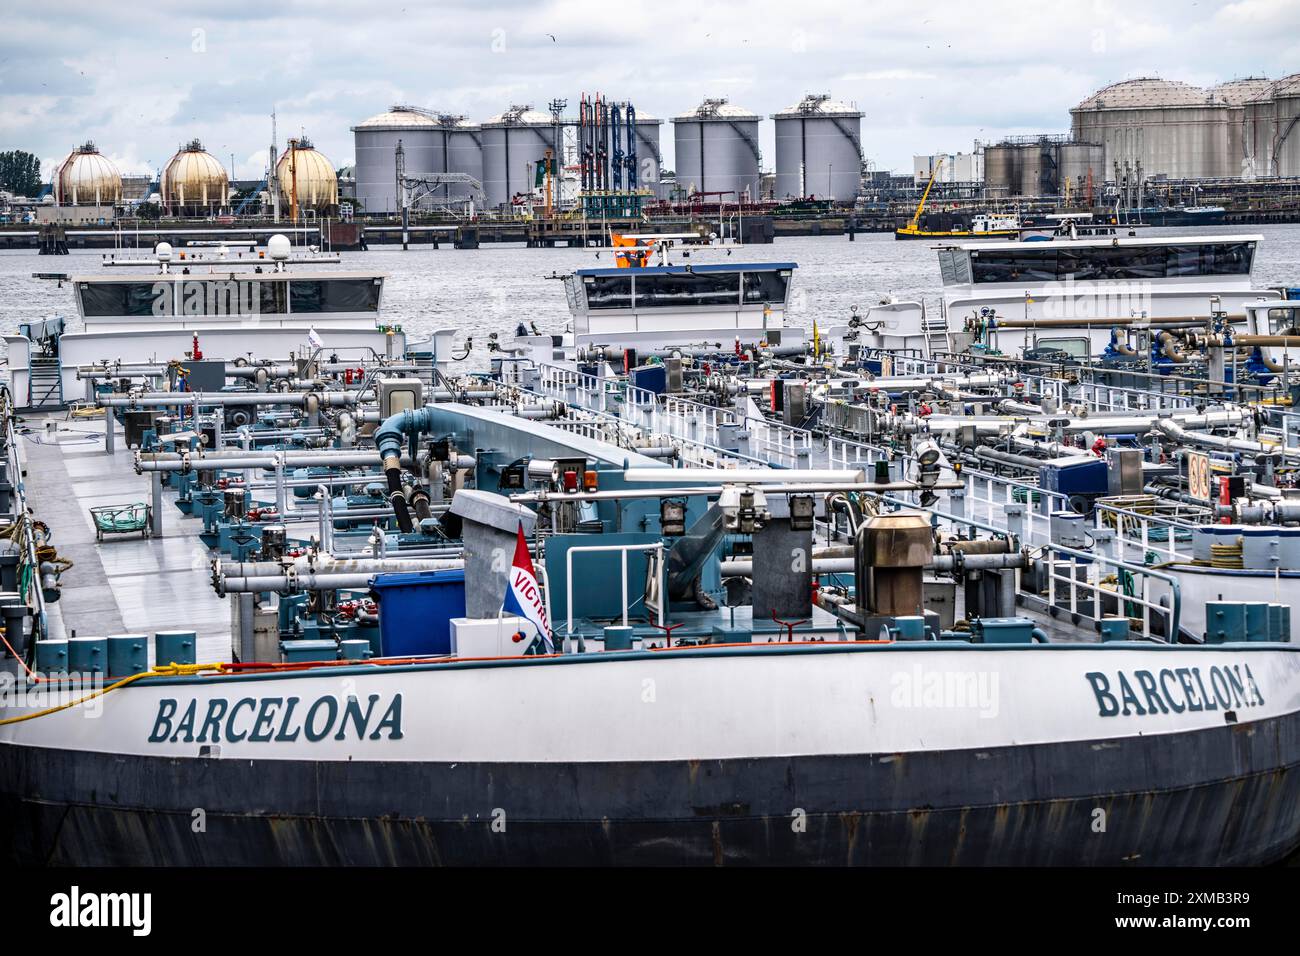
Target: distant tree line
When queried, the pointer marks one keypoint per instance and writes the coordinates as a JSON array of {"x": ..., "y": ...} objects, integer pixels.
[{"x": 20, "y": 172}]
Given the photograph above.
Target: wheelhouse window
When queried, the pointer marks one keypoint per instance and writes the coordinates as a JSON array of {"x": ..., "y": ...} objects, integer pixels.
[
  {"x": 763, "y": 288},
  {"x": 1095, "y": 263},
  {"x": 609, "y": 292},
  {"x": 688, "y": 289},
  {"x": 334, "y": 295},
  {"x": 125, "y": 298},
  {"x": 273, "y": 296}
]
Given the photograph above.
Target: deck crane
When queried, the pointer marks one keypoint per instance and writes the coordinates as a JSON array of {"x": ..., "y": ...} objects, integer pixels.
[{"x": 915, "y": 224}]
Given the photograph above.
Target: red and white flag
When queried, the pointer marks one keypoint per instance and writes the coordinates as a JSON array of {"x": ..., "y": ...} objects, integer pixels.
[{"x": 523, "y": 596}]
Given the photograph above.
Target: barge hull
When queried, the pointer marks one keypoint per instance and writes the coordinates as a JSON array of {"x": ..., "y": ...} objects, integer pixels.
[{"x": 1220, "y": 796}]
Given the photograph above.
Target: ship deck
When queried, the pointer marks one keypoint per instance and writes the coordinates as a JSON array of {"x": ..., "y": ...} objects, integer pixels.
[{"x": 126, "y": 584}]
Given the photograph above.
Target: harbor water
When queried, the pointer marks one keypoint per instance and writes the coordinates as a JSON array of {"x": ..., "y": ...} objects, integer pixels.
[{"x": 492, "y": 288}]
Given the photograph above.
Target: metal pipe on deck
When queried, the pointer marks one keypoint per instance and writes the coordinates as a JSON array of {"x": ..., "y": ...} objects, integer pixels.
[
  {"x": 331, "y": 399},
  {"x": 239, "y": 460}
]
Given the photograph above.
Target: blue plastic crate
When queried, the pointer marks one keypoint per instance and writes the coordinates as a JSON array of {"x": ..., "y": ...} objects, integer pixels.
[{"x": 415, "y": 610}]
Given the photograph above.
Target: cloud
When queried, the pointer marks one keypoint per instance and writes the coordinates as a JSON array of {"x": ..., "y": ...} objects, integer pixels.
[{"x": 926, "y": 76}]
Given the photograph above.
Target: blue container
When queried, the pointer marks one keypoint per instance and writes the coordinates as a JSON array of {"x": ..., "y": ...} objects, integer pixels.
[
  {"x": 355, "y": 650},
  {"x": 1224, "y": 621},
  {"x": 1257, "y": 627},
  {"x": 910, "y": 628},
  {"x": 88, "y": 655},
  {"x": 1004, "y": 630},
  {"x": 128, "y": 654},
  {"x": 415, "y": 610},
  {"x": 52, "y": 657},
  {"x": 1279, "y": 622},
  {"x": 1114, "y": 628},
  {"x": 174, "y": 647},
  {"x": 302, "y": 652},
  {"x": 618, "y": 638},
  {"x": 726, "y": 634},
  {"x": 653, "y": 378}
]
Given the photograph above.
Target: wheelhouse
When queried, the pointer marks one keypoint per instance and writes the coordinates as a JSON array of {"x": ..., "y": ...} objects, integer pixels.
[{"x": 745, "y": 300}]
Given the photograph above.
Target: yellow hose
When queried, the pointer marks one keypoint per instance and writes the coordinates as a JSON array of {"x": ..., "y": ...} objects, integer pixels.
[{"x": 162, "y": 670}]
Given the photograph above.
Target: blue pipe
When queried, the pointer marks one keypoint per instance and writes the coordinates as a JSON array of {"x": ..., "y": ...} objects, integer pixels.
[{"x": 389, "y": 438}]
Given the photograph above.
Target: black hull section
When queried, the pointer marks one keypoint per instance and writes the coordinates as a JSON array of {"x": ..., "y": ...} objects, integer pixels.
[{"x": 1228, "y": 796}]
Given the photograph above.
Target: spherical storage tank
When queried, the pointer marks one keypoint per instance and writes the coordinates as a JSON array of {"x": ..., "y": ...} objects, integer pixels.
[
  {"x": 1169, "y": 128},
  {"x": 717, "y": 149},
  {"x": 432, "y": 144},
  {"x": 1271, "y": 134},
  {"x": 514, "y": 142},
  {"x": 194, "y": 181},
  {"x": 87, "y": 178},
  {"x": 305, "y": 171},
  {"x": 818, "y": 149}
]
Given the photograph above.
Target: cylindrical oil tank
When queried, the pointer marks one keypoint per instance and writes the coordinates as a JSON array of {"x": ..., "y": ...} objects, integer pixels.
[
  {"x": 818, "y": 150},
  {"x": 1038, "y": 173},
  {"x": 649, "y": 156},
  {"x": 1257, "y": 136},
  {"x": 306, "y": 172},
  {"x": 1078, "y": 161},
  {"x": 194, "y": 182},
  {"x": 87, "y": 178},
  {"x": 432, "y": 144},
  {"x": 1002, "y": 171},
  {"x": 1236, "y": 94},
  {"x": 716, "y": 148},
  {"x": 1286, "y": 125},
  {"x": 1167, "y": 127},
  {"x": 514, "y": 142}
]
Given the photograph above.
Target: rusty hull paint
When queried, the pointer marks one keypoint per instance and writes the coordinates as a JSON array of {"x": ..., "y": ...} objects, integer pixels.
[{"x": 1223, "y": 796}]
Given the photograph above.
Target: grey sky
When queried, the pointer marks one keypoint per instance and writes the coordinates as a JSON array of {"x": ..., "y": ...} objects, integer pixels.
[{"x": 929, "y": 76}]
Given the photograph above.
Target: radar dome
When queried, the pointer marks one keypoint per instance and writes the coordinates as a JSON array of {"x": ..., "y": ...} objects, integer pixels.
[{"x": 277, "y": 247}]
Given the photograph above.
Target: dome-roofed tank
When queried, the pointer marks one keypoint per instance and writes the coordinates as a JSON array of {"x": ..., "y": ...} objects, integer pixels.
[
  {"x": 87, "y": 178},
  {"x": 433, "y": 143},
  {"x": 1237, "y": 94},
  {"x": 819, "y": 149},
  {"x": 305, "y": 171},
  {"x": 195, "y": 182},
  {"x": 1166, "y": 127},
  {"x": 1272, "y": 130},
  {"x": 716, "y": 146},
  {"x": 514, "y": 142}
]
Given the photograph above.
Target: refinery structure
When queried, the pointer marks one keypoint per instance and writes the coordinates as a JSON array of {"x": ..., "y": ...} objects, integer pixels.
[{"x": 601, "y": 157}]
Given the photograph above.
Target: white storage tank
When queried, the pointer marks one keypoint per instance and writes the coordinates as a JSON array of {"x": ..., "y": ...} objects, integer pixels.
[
  {"x": 514, "y": 142},
  {"x": 432, "y": 143},
  {"x": 1166, "y": 127},
  {"x": 818, "y": 149},
  {"x": 1237, "y": 94},
  {"x": 717, "y": 150},
  {"x": 649, "y": 156}
]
